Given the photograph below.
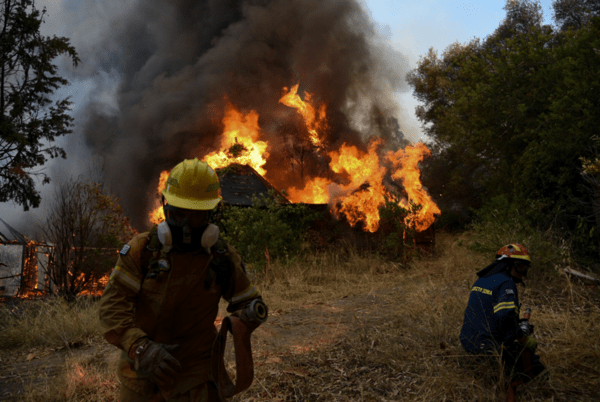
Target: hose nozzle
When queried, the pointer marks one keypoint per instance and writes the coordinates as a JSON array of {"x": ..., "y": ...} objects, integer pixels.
[{"x": 257, "y": 311}]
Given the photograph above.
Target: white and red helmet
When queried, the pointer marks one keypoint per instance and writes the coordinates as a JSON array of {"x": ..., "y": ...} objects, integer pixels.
[{"x": 514, "y": 252}]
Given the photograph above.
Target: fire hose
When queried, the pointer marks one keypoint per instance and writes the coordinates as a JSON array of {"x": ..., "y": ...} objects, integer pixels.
[{"x": 241, "y": 329}]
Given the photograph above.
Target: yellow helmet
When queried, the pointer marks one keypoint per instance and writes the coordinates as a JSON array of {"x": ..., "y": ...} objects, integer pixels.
[{"x": 192, "y": 184}]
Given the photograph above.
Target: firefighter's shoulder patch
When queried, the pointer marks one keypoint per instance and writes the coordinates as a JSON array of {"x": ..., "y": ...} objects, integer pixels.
[
  {"x": 509, "y": 292},
  {"x": 125, "y": 249}
]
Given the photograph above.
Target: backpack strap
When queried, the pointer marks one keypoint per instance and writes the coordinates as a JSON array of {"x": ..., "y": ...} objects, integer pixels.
[
  {"x": 220, "y": 267},
  {"x": 148, "y": 251}
]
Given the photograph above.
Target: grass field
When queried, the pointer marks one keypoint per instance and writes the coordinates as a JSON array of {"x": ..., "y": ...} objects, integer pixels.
[{"x": 411, "y": 353}]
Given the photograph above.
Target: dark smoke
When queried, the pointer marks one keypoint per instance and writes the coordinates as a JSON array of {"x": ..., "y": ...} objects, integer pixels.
[{"x": 178, "y": 62}]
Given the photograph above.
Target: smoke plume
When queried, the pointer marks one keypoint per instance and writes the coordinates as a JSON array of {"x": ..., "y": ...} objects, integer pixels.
[{"x": 177, "y": 63}]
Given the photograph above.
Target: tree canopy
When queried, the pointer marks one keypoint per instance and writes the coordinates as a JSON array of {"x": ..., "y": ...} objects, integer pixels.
[
  {"x": 511, "y": 116},
  {"x": 574, "y": 14},
  {"x": 30, "y": 120}
]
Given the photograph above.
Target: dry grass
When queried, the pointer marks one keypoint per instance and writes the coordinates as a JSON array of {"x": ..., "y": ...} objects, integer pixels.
[
  {"x": 325, "y": 276},
  {"x": 410, "y": 353},
  {"x": 415, "y": 355},
  {"x": 86, "y": 378},
  {"x": 47, "y": 323}
]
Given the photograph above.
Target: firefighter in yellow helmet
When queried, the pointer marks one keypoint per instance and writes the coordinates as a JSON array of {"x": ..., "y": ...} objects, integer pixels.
[{"x": 161, "y": 302}]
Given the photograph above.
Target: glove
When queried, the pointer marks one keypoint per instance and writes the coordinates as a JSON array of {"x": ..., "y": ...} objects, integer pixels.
[
  {"x": 530, "y": 344},
  {"x": 155, "y": 360},
  {"x": 526, "y": 327}
]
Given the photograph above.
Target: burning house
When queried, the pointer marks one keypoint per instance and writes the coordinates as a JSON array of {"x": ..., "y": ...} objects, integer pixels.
[
  {"x": 303, "y": 92},
  {"x": 23, "y": 265},
  {"x": 28, "y": 268},
  {"x": 240, "y": 183},
  {"x": 353, "y": 183}
]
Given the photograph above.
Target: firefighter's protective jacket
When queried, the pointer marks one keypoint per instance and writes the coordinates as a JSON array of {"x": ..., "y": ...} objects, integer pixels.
[
  {"x": 492, "y": 314},
  {"x": 176, "y": 307}
]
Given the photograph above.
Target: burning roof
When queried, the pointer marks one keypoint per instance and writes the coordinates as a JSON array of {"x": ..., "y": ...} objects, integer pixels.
[
  {"x": 240, "y": 183},
  {"x": 17, "y": 237},
  {"x": 350, "y": 179}
]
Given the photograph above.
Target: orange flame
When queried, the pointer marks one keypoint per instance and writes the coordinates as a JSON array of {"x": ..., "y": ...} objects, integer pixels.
[
  {"x": 360, "y": 198},
  {"x": 157, "y": 215},
  {"x": 314, "y": 192},
  {"x": 358, "y": 190},
  {"x": 30, "y": 281},
  {"x": 406, "y": 162},
  {"x": 240, "y": 142},
  {"x": 360, "y": 204},
  {"x": 307, "y": 111}
]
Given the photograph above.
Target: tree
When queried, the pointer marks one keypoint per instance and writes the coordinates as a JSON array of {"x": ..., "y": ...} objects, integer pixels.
[
  {"x": 30, "y": 121},
  {"x": 521, "y": 17},
  {"x": 511, "y": 117},
  {"x": 85, "y": 227},
  {"x": 574, "y": 14},
  {"x": 268, "y": 227},
  {"x": 553, "y": 169},
  {"x": 479, "y": 102}
]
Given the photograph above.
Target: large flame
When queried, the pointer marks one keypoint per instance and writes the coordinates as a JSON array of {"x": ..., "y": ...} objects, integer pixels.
[
  {"x": 359, "y": 189},
  {"x": 356, "y": 191},
  {"x": 365, "y": 193},
  {"x": 314, "y": 192},
  {"x": 307, "y": 111},
  {"x": 240, "y": 143}
]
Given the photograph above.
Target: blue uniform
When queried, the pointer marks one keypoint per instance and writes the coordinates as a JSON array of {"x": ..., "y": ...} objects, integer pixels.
[{"x": 492, "y": 315}]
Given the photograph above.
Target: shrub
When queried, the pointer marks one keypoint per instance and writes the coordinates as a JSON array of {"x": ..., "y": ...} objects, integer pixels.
[
  {"x": 397, "y": 229},
  {"x": 267, "y": 224},
  {"x": 495, "y": 228}
]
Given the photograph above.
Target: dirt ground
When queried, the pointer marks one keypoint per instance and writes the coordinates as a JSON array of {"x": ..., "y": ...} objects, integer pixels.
[{"x": 286, "y": 332}]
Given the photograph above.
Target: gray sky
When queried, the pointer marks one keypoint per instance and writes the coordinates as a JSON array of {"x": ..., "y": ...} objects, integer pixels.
[{"x": 413, "y": 27}]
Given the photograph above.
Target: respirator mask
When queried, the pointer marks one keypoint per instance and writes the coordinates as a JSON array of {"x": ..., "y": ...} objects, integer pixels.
[{"x": 187, "y": 230}]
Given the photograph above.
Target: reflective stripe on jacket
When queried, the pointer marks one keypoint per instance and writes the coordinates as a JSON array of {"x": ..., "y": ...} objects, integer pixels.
[{"x": 492, "y": 314}]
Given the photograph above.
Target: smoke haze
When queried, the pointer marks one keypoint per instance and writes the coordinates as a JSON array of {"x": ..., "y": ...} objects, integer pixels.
[{"x": 163, "y": 71}]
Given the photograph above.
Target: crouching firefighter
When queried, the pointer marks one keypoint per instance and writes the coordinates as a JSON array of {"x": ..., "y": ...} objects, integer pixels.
[
  {"x": 160, "y": 304},
  {"x": 491, "y": 325}
]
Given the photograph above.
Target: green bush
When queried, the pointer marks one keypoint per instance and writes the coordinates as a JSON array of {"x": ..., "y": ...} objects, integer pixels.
[
  {"x": 397, "y": 229},
  {"x": 507, "y": 224},
  {"x": 266, "y": 224}
]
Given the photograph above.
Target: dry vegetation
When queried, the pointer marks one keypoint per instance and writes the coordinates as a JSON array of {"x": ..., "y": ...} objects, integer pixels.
[{"x": 407, "y": 350}]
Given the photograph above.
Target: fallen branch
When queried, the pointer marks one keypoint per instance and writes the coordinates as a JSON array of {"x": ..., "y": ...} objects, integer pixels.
[{"x": 581, "y": 275}]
